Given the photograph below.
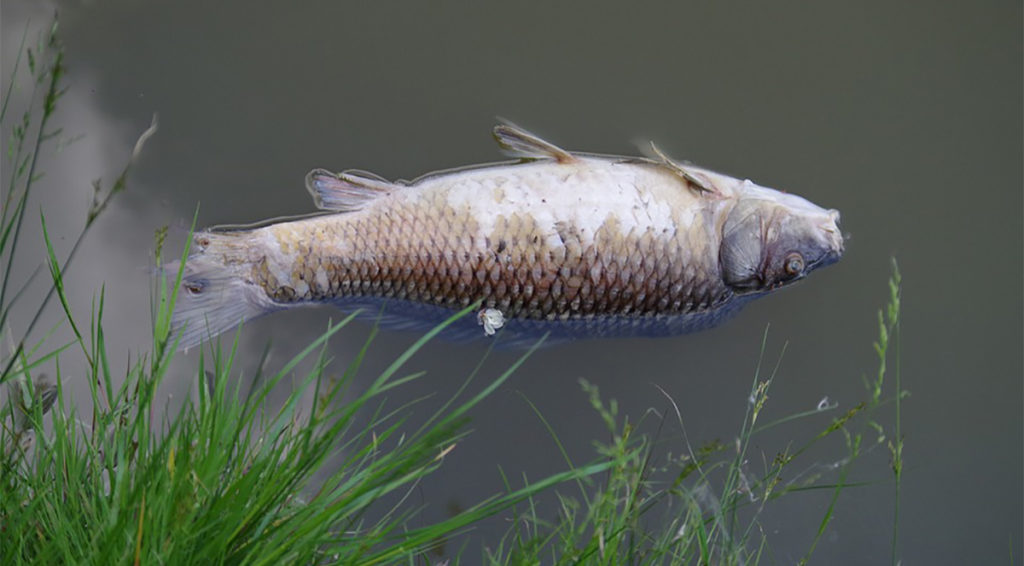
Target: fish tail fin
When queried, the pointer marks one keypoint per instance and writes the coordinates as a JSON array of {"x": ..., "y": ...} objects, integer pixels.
[{"x": 217, "y": 292}]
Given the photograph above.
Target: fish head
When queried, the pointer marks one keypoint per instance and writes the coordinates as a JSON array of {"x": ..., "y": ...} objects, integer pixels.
[{"x": 771, "y": 239}]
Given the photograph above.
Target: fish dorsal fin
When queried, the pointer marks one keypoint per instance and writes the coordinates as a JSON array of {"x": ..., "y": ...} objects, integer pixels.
[
  {"x": 346, "y": 191},
  {"x": 696, "y": 181},
  {"x": 523, "y": 144}
]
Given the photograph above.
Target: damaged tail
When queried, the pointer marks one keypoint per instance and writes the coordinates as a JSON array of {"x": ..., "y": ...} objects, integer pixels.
[{"x": 217, "y": 291}]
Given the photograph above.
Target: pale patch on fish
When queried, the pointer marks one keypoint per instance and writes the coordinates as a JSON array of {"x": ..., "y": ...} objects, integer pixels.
[
  {"x": 321, "y": 278},
  {"x": 553, "y": 193}
]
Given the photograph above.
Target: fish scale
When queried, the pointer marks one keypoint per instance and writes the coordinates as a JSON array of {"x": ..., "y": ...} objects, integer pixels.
[
  {"x": 574, "y": 244},
  {"x": 625, "y": 273}
]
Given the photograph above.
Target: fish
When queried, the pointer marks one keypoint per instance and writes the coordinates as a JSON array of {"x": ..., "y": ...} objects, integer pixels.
[{"x": 553, "y": 243}]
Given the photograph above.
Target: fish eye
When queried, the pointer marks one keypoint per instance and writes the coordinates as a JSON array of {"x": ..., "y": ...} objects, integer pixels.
[{"x": 794, "y": 264}]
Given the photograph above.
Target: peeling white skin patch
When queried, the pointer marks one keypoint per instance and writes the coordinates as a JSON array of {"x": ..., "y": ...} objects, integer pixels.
[{"x": 491, "y": 320}]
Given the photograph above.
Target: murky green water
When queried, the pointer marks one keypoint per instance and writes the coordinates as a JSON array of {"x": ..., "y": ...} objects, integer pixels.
[{"x": 906, "y": 117}]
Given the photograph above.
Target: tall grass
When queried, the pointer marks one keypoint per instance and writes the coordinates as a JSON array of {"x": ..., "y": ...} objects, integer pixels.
[{"x": 229, "y": 479}]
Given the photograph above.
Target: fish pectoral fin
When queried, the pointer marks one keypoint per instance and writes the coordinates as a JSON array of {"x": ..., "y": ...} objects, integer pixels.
[
  {"x": 696, "y": 181},
  {"x": 520, "y": 143},
  {"x": 346, "y": 191}
]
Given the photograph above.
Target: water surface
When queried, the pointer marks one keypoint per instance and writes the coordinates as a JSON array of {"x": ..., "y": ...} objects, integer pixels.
[{"x": 906, "y": 117}]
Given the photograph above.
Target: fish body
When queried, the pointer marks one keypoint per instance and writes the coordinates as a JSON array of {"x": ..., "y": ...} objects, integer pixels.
[{"x": 574, "y": 245}]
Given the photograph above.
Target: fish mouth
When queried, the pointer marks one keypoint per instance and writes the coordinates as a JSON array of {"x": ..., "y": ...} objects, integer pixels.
[
  {"x": 825, "y": 260},
  {"x": 833, "y": 255},
  {"x": 835, "y": 238}
]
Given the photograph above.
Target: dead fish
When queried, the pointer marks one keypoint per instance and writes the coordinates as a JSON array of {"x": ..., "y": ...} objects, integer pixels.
[{"x": 572, "y": 244}]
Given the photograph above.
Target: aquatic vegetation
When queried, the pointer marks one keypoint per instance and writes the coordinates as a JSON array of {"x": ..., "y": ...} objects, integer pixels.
[{"x": 233, "y": 478}]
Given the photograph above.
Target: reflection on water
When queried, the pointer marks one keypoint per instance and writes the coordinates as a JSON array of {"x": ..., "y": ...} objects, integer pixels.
[{"x": 899, "y": 117}]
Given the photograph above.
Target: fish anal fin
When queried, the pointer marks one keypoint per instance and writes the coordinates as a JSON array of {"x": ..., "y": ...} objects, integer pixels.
[
  {"x": 523, "y": 144},
  {"x": 346, "y": 191}
]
